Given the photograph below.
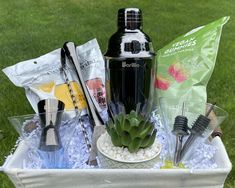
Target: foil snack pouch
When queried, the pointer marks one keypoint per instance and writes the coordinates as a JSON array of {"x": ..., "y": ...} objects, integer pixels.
[
  {"x": 42, "y": 77},
  {"x": 186, "y": 64}
]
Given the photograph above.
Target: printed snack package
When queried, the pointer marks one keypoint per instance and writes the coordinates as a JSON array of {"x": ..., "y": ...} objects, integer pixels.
[
  {"x": 42, "y": 77},
  {"x": 185, "y": 65},
  {"x": 92, "y": 66}
]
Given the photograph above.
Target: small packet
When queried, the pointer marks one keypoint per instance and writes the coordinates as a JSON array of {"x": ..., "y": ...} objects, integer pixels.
[{"x": 92, "y": 66}]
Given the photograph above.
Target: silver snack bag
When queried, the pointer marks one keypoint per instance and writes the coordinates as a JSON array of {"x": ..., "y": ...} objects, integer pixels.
[{"x": 42, "y": 77}]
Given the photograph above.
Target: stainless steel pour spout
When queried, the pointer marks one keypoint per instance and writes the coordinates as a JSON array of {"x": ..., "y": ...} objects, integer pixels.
[
  {"x": 50, "y": 113},
  {"x": 197, "y": 130},
  {"x": 180, "y": 130}
]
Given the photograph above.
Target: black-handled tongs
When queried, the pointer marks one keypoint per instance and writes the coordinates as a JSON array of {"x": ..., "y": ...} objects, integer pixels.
[
  {"x": 98, "y": 123},
  {"x": 70, "y": 51}
]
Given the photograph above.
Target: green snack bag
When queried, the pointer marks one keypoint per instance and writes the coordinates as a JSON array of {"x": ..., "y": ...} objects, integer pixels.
[{"x": 186, "y": 64}]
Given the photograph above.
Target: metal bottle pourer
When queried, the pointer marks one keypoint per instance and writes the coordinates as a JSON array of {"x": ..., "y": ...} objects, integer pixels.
[
  {"x": 50, "y": 113},
  {"x": 197, "y": 130},
  {"x": 180, "y": 130}
]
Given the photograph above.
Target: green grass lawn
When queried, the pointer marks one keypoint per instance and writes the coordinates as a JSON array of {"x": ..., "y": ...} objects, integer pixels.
[{"x": 29, "y": 29}]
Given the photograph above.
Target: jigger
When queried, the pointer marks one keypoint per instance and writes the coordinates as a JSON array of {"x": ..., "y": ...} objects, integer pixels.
[{"x": 50, "y": 113}]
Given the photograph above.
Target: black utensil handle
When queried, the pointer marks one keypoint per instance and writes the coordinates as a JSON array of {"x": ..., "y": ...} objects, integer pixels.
[{"x": 70, "y": 51}]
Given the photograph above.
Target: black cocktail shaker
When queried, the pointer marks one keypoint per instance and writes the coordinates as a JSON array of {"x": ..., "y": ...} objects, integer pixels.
[{"x": 129, "y": 65}]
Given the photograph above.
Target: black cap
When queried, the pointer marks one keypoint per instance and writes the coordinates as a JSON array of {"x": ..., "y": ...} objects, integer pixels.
[
  {"x": 200, "y": 125},
  {"x": 130, "y": 18},
  {"x": 180, "y": 125}
]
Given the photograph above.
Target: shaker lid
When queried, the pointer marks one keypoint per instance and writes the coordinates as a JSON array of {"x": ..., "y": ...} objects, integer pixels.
[{"x": 130, "y": 18}]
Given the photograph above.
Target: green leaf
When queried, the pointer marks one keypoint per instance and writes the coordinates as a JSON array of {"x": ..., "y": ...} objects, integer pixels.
[
  {"x": 127, "y": 125},
  {"x": 134, "y": 122},
  {"x": 145, "y": 141},
  {"x": 133, "y": 114},
  {"x": 141, "y": 125},
  {"x": 135, "y": 145},
  {"x": 152, "y": 138},
  {"x": 121, "y": 117},
  {"x": 140, "y": 117},
  {"x": 109, "y": 126},
  {"x": 134, "y": 132},
  {"x": 118, "y": 127},
  {"x": 147, "y": 130},
  {"x": 112, "y": 131},
  {"x": 115, "y": 139},
  {"x": 125, "y": 138}
]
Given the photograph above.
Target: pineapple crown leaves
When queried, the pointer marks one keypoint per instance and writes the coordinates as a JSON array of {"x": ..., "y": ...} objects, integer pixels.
[{"x": 131, "y": 131}]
